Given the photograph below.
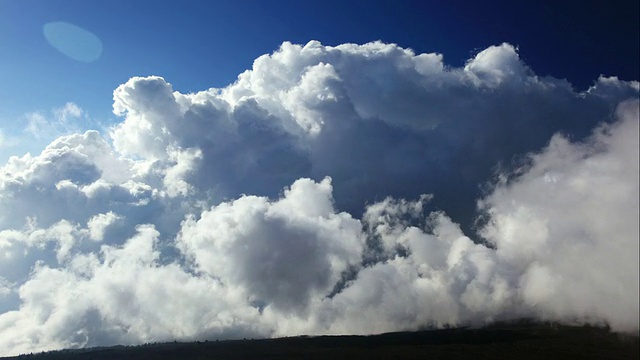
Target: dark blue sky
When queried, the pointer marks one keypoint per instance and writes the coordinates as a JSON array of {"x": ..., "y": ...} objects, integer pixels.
[{"x": 196, "y": 45}]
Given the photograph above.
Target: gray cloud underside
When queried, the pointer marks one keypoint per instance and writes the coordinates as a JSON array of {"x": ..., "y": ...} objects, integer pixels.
[{"x": 146, "y": 234}]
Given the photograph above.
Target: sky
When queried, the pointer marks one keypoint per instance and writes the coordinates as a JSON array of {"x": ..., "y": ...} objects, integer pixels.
[{"x": 210, "y": 170}]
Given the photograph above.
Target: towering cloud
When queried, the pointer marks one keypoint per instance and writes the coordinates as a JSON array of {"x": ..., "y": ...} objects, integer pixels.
[
  {"x": 415, "y": 195},
  {"x": 377, "y": 118}
]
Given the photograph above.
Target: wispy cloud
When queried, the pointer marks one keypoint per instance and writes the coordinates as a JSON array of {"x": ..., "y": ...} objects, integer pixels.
[{"x": 61, "y": 121}]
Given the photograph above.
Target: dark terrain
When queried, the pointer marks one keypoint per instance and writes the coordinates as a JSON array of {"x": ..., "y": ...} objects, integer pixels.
[{"x": 500, "y": 341}]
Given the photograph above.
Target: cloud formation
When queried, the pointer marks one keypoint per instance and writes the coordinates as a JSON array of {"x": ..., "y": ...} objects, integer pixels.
[
  {"x": 175, "y": 225},
  {"x": 408, "y": 123}
]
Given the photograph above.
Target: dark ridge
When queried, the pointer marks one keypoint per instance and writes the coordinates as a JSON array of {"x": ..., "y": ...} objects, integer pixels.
[{"x": 514, "y": 340}]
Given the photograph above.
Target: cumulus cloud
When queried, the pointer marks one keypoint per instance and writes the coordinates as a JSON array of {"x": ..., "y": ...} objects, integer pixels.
[
  {"x": 569, "y": 222},
  {"x": 327, "y": 190},
  {"x": 408, "y": 123},
  {"x": 98, "y": 224},
  {"x": 298, "y": 246}
]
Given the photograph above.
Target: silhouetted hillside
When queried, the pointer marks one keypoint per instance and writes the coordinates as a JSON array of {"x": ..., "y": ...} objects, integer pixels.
[{"x": 500, "y": 341}]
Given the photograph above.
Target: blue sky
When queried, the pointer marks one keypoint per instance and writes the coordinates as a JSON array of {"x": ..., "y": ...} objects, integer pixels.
[
  {"x": 277, "y": 168},
  {"x": 202, "y": 44}
]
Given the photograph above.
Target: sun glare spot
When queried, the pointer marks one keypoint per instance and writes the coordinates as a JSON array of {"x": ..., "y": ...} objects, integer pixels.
[{"x": 73, "y": 41}]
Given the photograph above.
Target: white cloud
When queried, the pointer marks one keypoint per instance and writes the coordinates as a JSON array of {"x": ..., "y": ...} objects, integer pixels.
[
  {"x": 68, "y": 112},
  {"x": 98, "y": 224},
  {"x": 570, "y": 223},
  {"x": 496, "y": 65},
  {"x": 184, "y": 164},
  {"x": 64, "y": 120},
  {"x": 147, "y": 235},
  {"x": 370, "y": 116},
  {"x": 283, "y": 254}
]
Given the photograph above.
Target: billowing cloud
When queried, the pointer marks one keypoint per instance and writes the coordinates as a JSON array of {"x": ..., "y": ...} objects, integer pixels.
[
  {"x": 569, "y": 223},
  {"x": 408, "y": 123},
  {"x": 298, "y": 246},
  {"x": 347, "y": 189}
]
